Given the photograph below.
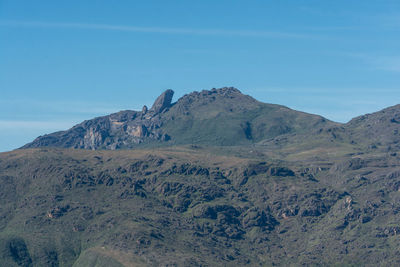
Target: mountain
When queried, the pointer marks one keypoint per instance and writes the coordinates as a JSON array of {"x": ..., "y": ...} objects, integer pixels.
[
  {"x": 215, "y": 179},
  {"x": 217, "y": 117},
  {"x": 379, "y": 128},
  {"x": 187, "y": 206}
]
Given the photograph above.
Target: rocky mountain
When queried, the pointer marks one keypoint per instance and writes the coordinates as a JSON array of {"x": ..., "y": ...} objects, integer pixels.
[
  {"x": 223, "y": 117},
  {"x": 123, "y": 129},
  {"x": 215, "y": 179},
  {"x": 380, "y": 128},
  {"x": 217, "y": 117}
]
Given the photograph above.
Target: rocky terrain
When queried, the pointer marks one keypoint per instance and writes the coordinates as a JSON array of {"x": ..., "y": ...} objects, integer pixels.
[
  {"x": 122, "y": 129},
  {"x": 217, "y": 117},
  {"x": 214, "y": 179}
]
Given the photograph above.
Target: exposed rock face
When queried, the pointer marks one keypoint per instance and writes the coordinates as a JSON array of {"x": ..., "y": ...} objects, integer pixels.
[
  {"x": 144, "y": 110},
  {"x": 124, "y": 129},
  {"x": 162, "y": 102}
]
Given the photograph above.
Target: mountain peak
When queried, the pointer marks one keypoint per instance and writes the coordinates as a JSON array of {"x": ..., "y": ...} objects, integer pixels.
[
  {"x": 221, "y": 116},
  {"x": 224, "y": 91},
  {"x": 163, "y": 101},
  {"x": 227, "y": 90}
]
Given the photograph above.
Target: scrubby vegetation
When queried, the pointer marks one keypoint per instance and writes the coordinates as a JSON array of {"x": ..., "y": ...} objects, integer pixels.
[{"x": 233, "y": 185}]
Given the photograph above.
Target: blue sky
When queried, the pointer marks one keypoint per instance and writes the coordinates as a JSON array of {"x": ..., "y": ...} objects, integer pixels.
[{"x": 62, "y": 62}]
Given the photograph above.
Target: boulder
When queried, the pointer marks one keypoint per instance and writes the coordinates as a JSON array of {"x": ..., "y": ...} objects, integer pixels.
[{"x": 162, "y": 102}]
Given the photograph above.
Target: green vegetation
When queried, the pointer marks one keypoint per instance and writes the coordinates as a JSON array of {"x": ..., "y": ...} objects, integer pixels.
[
  {"x": 215, "y": 179},
  {"x": 188, "y": 206}
]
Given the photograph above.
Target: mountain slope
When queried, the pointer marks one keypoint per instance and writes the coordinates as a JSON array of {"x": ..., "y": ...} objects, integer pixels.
[
  {"x": 217, "y": 117},
  {"x": 381, "y": 128},
  {"x": 184, "y": 207},
  {"x": 263, "y": 186},
  {"x": 375, "y": 132}
]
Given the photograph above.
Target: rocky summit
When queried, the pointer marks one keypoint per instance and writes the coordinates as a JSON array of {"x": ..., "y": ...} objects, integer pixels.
[
  {"x": 162, "y": 102},
  {"x": 216, "y": 178}
]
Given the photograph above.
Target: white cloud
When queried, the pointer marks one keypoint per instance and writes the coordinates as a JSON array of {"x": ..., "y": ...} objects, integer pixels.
[{"x": 162, "y": 30}]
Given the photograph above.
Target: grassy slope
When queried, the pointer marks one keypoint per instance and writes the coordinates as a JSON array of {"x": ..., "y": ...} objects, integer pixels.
[
  {"x": 211, "y": 119},
  {"x": 188, "y": 206}
]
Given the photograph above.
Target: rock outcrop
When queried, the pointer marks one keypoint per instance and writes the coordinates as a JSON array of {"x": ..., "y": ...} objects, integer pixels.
[
  {"x": 123, "y": 129},
  {"x": 162, "y": 102},
  {"x": 144, "y": 110}
]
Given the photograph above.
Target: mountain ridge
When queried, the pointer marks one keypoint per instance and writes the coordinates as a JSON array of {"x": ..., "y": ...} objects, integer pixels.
[
  {"x": 216, "y": 178},
  {"x": 224, "y": 117},
  {"x": 231, "y": 117}
]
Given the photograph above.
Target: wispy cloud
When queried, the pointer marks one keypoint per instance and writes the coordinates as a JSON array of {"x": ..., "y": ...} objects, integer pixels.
[
  {"x": 387, "y": 63},
  {"x": 160, "y": 30},
  {"x": 379, "y": 62},
  {"x": 66, "y": 107},
  {"x": 34, "y": 125},
  {"x": 390, "y": 21}
]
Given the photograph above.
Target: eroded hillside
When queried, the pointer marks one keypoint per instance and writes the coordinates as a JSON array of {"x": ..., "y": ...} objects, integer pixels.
[{"x": 186, "y": 206}]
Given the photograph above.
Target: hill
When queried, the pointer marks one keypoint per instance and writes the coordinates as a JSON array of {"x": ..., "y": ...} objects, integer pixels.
[
  {"x": 214, "y": 179},
  {"x": 185, "y": 206},
  {"x": 217, "y": 117},
  {"x": 379, "y": 128}
]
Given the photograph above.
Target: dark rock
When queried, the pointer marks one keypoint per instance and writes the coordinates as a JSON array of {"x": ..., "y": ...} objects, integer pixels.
[
  {"x": 343, "y": 224},
  {"x": 136, "y": 189},
  {"x": 169, "y": 188},
  {"x": 182, "y": 202},
  {"x": 244, "y": 180},
  {"x": 255, "y": 217},
  {"x": 255, "y": 169},
  {"x": 163, "y": 101},
  {"x": 228, "y": 231},
  {"x": 314, "y": 207},
  {"x": 281, "y": 171},
  {"x": 144, "y": 110},
  {"x": 365, "y": 219},
  {"x": 211, "y": 193}
]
